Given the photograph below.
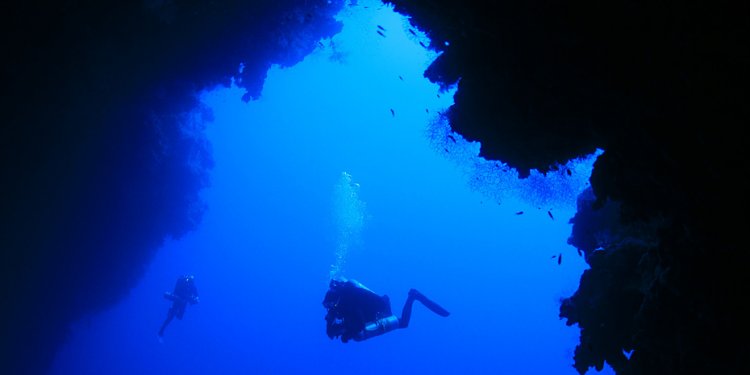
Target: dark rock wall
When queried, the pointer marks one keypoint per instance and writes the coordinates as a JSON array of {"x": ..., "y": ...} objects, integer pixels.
[
  {"x": 102, "y": 150},
  {"x": 661, "y": 87}
]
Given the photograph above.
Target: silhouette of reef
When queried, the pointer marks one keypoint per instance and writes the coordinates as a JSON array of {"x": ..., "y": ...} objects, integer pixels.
[
  {"x": 661, "y": 87},
  {"x": 102, "y": 142}
]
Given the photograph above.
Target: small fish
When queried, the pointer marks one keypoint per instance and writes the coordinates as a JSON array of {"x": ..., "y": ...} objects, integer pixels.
[
  {"x": 381, "y": 28},
  {"x": 427, "y": 110},
  {"x": 422, "y": 44},
  {"x": 401, "y": 78},
  {"x": 451, "y": 138},
  {"x": 446, "y": 150},
  {"x": 559, "y": 258},
  {"x": 438, "y": 95},
  {"x": 412, "y": 32},
  {"x": 381, "y": 33},
  {"x": 550, "y": 215},
  {"x": 321, "y": 44},
  {"x": 393, "y": 113},
  {"x": 519, "y": 213}
]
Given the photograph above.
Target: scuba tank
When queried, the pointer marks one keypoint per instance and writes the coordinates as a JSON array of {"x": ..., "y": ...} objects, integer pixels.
[{"x": 379, "y": 327}]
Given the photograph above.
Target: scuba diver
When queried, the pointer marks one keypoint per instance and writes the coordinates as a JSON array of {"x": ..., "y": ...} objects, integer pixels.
[
  {"x": 357, "y": 313},
  {"x": 184, "y": 292}
]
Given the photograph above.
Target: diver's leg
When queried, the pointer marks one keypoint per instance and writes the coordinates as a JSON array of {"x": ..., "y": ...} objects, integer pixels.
[
  {"x": 180, "y": 309},
  {"x": 406, "y": 312},
  {"x": 170, "y": 316},
  {"x": 434, "y": 307}
]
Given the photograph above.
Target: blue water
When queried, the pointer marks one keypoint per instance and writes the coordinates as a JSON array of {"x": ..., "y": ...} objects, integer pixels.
[{"x": 318, "y": 177}]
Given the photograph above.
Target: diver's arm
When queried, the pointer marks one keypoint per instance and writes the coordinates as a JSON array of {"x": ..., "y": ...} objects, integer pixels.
[{"x": 177, "y": 298}]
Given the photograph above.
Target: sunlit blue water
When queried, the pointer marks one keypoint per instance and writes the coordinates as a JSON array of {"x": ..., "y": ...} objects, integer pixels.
[{"x": 341, "y": 168}]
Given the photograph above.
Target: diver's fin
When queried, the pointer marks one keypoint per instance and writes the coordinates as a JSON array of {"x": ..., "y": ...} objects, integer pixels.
[{"x": 434, "y": 307}]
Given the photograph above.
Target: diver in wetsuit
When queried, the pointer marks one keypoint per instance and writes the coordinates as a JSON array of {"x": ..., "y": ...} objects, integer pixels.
[
  {"x": 184, "y": 292},
  {"x": 357, "y": 313}
]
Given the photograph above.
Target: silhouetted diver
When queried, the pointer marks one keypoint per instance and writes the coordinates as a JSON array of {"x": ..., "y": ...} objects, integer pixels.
[
  {"x": 184, "y": 292},
  {"x": 357, "y": 313}
]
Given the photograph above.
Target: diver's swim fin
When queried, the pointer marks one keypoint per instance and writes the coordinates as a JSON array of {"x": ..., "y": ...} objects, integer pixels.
[{"x": 434, "y": 307}]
